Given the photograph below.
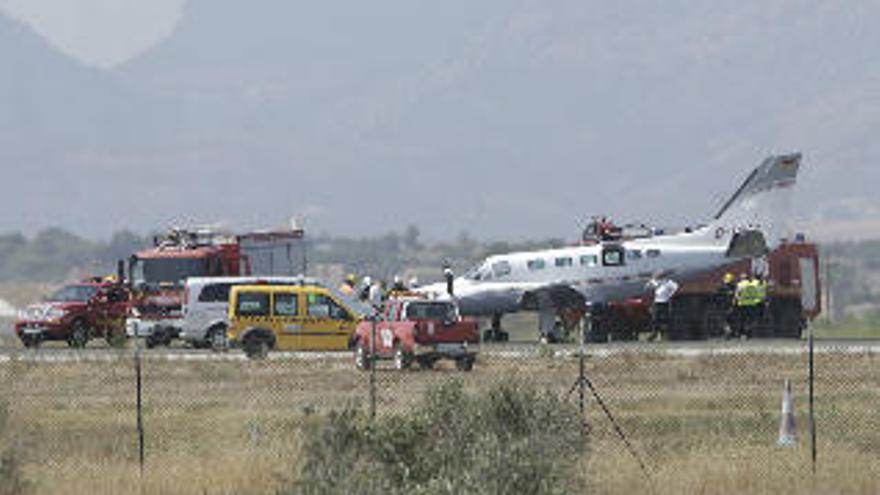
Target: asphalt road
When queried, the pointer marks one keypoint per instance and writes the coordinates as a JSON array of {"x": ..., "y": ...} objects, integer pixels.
[{"x": 54, "y": 353}]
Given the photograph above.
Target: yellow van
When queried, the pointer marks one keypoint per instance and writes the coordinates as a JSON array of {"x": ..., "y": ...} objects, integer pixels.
[{"x": 288, "y": 317}]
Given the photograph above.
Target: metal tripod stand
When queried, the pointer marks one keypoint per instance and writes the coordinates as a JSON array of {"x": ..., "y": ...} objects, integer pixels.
[{"x": 583, "y": 382}]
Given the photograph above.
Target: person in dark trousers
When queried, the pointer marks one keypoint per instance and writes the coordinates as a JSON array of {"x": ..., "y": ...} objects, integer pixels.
[
  {"x": 724, "y": 297},
  {"x": 664, "y": 288},
  {"x": 747, "y": 301}
]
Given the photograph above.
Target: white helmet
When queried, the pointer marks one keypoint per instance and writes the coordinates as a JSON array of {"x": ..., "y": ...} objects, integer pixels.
[{"x": 368, "y": 280}]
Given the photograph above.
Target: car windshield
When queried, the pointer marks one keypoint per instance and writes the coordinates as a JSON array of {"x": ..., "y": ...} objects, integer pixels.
[
  {"x": 73, "y": 293},
  {"x": 153, "y": 272},
  {"x": 431, "y": 311}
]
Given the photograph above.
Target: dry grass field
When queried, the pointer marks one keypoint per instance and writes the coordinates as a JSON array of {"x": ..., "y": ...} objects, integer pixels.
[{"x": 702, "y": 425}]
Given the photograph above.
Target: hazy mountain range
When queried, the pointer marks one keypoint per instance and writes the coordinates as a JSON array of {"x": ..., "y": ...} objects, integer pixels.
[{"x": 508, "y": 119}]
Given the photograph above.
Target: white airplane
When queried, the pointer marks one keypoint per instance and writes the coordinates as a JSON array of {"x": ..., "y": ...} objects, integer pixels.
[{"x": 567, "y": 281}]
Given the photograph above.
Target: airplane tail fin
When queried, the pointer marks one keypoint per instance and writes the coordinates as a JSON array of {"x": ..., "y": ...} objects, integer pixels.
[{"x": 762, "y": 202}]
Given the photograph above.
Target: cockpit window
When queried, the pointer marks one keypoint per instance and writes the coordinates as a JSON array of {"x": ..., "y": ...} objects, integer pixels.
[
  {"x": 481, "y": 272},
  {"x": 634, "y": 254},
  {"x": 501, "y": 268}
]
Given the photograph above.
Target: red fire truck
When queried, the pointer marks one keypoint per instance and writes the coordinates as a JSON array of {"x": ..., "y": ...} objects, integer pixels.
[
  {"x": 158, "y": 273},
  {"x": 700, "y": 309}
]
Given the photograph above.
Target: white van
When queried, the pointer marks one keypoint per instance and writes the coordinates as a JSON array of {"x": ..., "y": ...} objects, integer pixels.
[{"x": 206, "y": 301}]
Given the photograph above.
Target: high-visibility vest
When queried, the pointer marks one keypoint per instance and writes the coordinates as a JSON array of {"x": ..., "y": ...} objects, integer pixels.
[
  {"x": 748, "y": 293},
  {"x": 762, "y": 291}
]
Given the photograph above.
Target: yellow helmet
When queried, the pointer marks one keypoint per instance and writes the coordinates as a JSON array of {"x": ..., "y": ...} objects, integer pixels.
[
  {"x": 728, "y": 278},
  {"x": 350, "y": 278}
]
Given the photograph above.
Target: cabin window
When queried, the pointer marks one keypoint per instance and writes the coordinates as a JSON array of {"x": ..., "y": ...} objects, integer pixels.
[
  {"x": 653, "y": 253},
  {"x": 501, "y": 268},
  {"x": 215, "y": 293},
  {"x": 321, "y": 306},
  {"x": 589, "y": 260},
  {"x": 286, "y": 304},
  {"x": 563, "y": 262},
  {"x": 537, "y": 264},
  {"x": 252, "y": 304},
  {"x": 612, "y": 257},
  {"x": 634, "y": 254}
]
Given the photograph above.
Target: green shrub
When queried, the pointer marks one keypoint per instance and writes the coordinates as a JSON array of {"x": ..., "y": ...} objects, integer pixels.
[
  {"x": 12, "y": 481},
  {"x": 512, "y": 439}
]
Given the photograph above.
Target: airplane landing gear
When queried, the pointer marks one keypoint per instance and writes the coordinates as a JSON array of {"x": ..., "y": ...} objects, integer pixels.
[{"x": 496, "y": 333}]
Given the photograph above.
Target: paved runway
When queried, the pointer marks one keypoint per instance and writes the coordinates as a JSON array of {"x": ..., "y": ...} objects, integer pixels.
[{"x": 52, "y": 354}]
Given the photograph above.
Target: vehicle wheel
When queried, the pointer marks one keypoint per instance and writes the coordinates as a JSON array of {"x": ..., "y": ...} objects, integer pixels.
[
  {"x": 116, "y": 337},
  {"x": 32, "y": 341},
  {"x": 79, "y": 335},
  {"x": 402, "y": 359},
  {"x": 361, "y": 358},
  {"x": 216, "y": 338},
  {"x": 256, "y": 348},
  {"x": 152, "y": 341},
  {"x": 426, "y": 363},
  {"x": 464, "y": 364}
]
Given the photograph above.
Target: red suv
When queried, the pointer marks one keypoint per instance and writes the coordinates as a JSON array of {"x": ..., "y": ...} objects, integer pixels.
[
  {"x": 76, "y": 313},
  {"x": 421, "y": 331}
]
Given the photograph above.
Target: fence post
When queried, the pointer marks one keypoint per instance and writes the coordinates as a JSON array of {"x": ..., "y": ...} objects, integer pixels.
[
  {"x": 372, "y": 386},
  {"x": 140, "y": 404},
  {"x": 812, "y": 377}
]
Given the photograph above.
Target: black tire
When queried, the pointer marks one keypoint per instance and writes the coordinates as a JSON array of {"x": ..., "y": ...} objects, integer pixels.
[
  {"x": 116, "y": 337},
  {"x": 426, "y": 363},
  {"x": 492, "y": 335},
  {"x": 215, "y": 339},
  {"x": 256, "y": 347},
  {"x": 79, "y": 335},
  {"x": 464, "y": 364},
  {"x": 31, "y": 341},
  {"x": 402, "y": 359}
]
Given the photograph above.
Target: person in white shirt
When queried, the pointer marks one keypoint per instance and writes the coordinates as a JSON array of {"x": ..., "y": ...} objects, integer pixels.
[
  {"x": 663, "y": 288},
  {"x": 375, "y": 295}
]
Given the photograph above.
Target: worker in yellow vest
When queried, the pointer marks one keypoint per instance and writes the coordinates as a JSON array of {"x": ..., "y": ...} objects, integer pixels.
[{"x": 746, "y": 304}]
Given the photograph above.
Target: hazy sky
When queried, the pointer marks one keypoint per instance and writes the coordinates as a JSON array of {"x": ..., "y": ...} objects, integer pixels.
[
  {"x": 98, "y": 32},
  {"x": 509, "y": 119}
]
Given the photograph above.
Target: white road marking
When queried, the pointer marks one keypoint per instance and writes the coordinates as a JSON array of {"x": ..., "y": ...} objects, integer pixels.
[{"x": 500, "y": 352}]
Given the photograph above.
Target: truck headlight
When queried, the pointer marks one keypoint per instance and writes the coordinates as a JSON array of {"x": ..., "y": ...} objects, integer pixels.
[{"x": 55, "y": 313}]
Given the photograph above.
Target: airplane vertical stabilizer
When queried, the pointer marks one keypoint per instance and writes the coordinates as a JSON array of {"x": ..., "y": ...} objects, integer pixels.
[{"x": 763, "y": 201}]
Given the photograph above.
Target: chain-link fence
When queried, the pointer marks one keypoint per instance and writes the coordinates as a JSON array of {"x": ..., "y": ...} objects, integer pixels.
[{"x": 677, "y": 419}]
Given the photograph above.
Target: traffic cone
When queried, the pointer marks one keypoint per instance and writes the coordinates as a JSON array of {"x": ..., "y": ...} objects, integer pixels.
[{"x": 787, "y": 428}]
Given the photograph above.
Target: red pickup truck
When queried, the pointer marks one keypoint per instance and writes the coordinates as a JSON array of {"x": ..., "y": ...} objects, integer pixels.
[
  {"x": 76, "y": 313},
  {"x": 418, "y": 330}
]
